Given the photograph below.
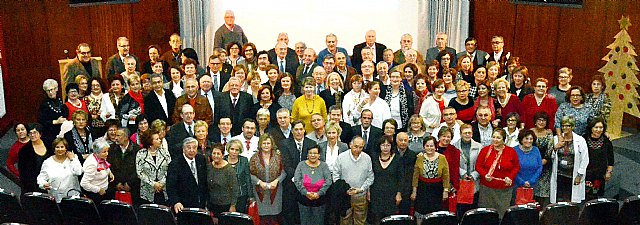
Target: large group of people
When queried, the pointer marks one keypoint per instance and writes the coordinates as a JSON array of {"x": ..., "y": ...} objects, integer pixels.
[{"x": 315, "y": 138}]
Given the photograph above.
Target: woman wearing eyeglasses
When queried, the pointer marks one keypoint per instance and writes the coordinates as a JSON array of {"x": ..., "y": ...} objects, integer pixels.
[
  {"x": 570, "y": 160},
  {"x": 575, "y": 107},
  {"x": 538, "y": 101}
]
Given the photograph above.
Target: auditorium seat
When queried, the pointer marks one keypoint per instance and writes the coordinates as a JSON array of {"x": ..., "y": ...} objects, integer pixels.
[
  {"x": 234, "y": 218},
  {"x": 10, "y": 209},
  {"x": 116, "y": 212},
  {"x": 78, "y": 210},
  {"x": 630, "y": 212},
  {"x": 41, "y": 208},
  {"x": 481, "y": 216},
  {"x": 560, "y": 213},
  {"x": 190, "y": 216},
  {"x": 521, "y": 215},
  {"x": 441, "y": 218},
  {"x": 154, "y": 214},
  {"x": 600, "y": 211},
  {"x": 398, "y": 220}
]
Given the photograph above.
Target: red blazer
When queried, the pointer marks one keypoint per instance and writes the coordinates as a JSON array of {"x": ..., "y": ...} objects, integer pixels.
[{"x": 508, "y": 166}]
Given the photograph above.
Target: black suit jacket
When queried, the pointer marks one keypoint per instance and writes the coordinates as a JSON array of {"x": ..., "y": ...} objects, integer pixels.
[
  {"x": 277, "y": 135},
  {"x": 224, "y": 78},
  {"x": 408, "y": 161},
  {"x": 291, "y": 60},
  {"x": 476, "y": 131},
  {"x": 356, "y": 58},
  {"x": 241, "y": 111},
  {"x": 175, "y": 136},
  {"x": 153, "y": 110},
  {"x": 291, "y": 156},
  {"x": 182, "y": 186},
  {"x": 502, "y": 60},
  {"x": 123, "y": 167},
  {"x": 374, "y": 134},
  {"x": 347, "y": 132},
  {"x": 330, "y": 99},
  {"x": 116, "y": 66}
]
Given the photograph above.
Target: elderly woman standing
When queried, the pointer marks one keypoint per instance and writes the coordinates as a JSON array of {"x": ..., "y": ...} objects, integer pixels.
[
  {"x": 132, "y": 104},
  {"x": 52, "y": 111},
  {"x": 530, "y": 160},
  {"x": 97, "y": 174},
  {"x": 79, "y": 136},
  {"x": 519, "y": 85},
  {"x": 385, "y": 192},
  {"x": 99, "y": 106},
  {"x": 334, "y": 94},
  {"x": 263, "y": 117},
  {"x": 420, "y": 92},
  {"x": 539, "y": 101},
  {"x": 399, "y": 99},
  {"x": 465, "y": 69},
  {"x": 74, "y": 102},
  {"x": 241, "y": 167},
  {"x": 508, "y": 102},
  {"x": 23, "y": 139},
  {"x": 498, "y": 166},
  {"x": 570, "y": 160},
  {"x": 116, "y": 92},
  {"x": 235, "y": 57},
  {"x": 559, "y": 92},
  {"x": 308, "y": 104},
  {"x": 31, "y": 157},
  {"x": 432, "y": 107},
  {"x": 59, "y": 173},
  {"x": 464, "y": 106},
  {"x": 286, "y": 95},
  {"x": 267, "y": 100},
  {"x": 152, "y": 164},
  {"x": 267, "y": 172},
  {"x": 201, "y": 131},
  {"x": 430, "y": 180},
  {"x": 221, "y": 182},
  {"x": 330, "y": 149},
  {"x": 312, "y": 179},
  {"x": 597, "y": 100},
  {"x": 417, "y": 132},
  {"x": 574, "y": 107}
]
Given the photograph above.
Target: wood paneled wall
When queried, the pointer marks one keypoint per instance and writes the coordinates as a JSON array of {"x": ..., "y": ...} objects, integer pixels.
[
  {"x": 36, "y": 33},
  {"x": 547, "y": 38}
]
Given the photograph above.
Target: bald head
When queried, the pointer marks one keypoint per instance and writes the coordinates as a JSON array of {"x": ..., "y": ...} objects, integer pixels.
[{"x": 370, "y": 37}]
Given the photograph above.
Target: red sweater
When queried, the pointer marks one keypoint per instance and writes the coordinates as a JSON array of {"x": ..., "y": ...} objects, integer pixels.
[
  {"x": 452, "y": 154},
  {"x": 513, "y": 105},
  {"x": 73, "y": 109},
  {"x": 508, "y": 166},
  {"x": 530, "y": 108},
  {"x": 13, "y": 157}
]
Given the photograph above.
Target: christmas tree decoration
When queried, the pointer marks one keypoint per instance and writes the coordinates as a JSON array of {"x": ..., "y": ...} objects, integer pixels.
[{"x": 620, "y": 73}]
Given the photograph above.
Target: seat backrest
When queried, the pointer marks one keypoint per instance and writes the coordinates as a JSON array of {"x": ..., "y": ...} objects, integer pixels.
[
  {"x": 521, "y": 215},
  {"x": 629, "y": 212},
  {"x": 398, "y": 220},
  {"x": 599, "y": 211},
  {"x": 116, "y": 212},
  {"x": 10, "y": 208},
  {"x": 441, "y": 218},
  {"x": 234, "y": 218},
  {"x": 78, "y": 210},
  {"x": 560, "y": 213},
  {"x": 481, "y": 216},
  {"x": 41, "y": 208},
  {"x": 198, "y": 216},
  {"x": 154, "y": 214}
]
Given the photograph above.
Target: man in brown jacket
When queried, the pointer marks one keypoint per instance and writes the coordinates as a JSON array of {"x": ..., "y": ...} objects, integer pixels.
[{"x": 200, "y": 103}]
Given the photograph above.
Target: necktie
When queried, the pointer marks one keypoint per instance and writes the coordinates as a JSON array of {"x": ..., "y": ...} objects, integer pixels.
[
  {"x": 299, "y": 151},
  {"x": 234, "y": 102},
  {"x": 365, "y": 137},
  {"x": 281, "y": 66},
  {"x": 318, "y": 89},
  {"x": 306, "y": 69},
  {"x": 215, "y": 81},
  {"x": 248, "y": 145},
  {"x": 194, "y": 171},
  {"x": 190, "y": 131},
  {"x": 224, "y": 142}
]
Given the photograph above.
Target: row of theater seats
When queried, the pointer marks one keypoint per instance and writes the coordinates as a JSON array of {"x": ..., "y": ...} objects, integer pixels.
[{"x": 39, "y": 208}]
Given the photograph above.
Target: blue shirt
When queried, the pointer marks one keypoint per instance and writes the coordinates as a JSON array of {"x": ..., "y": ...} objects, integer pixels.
[
  {"x": 326, "y": 52},
  {"x": 530, "y": 166}
]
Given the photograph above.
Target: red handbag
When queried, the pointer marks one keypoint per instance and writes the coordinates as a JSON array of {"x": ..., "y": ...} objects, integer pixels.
[
  {"x": 453, "y": 202},
  {"x": 124, "y": 196},
  {"x": 524, "y": 195},
  {"x": 253, "y": 212},
  {"x": 465, "y": 194}
]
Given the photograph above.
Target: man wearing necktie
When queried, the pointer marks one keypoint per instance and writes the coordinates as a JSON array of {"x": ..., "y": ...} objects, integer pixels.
[
  {"x": 218, "y": 78},
  {"x": 306, "y": 69},
  {"x": 478, "y": 57},
  {"x": 319, "y": 76},
  {"x": 181, "y": 130},
  {"x": 187, "y": 178}
]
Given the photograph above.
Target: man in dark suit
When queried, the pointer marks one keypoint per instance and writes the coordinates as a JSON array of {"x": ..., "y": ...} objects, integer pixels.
[
  {"x": 222, "y": 133},
  {"x": 344, "y": 70},
  {"x": 283, "y": 130},
  {"x": 153, "y": 108},
  {"x": 115, "y": 63},
  {"x": 181, "y": 130},
  {"x": 370, "y": 42},
  {"x": 482, "y": 127},
  {"x": 236, "y": 105},
  {"x": 369, "y": 133},
  {"x": 82, "y": 64},
  {"x": 290, "y": 54},
  {"x": 408, "y": 161},
  {"x": 478, "y": 57},
  {"x": 284, "y": 58},
  {"x": 335, "y": 115},
  {"x": 203, "y": 111},
  {"x": 499, "y": 54},
  {"x": 187, "y": 178},
  {"x": 294, "y": 150},
  {"x": 150, "y": 66},
  {"x": 212, "y": 96},
  {"x": 441, "y": 44},
  {"x": 306, "y": 69},
  {"x": 368, "y": 70},
  {"x": 123, "y": 165},
  {"x": 218, "y": 78}
]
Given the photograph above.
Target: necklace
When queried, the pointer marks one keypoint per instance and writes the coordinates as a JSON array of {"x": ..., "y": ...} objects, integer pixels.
[
  {"x": 313, "y": 168},
  {"x": 313, "y": 105},
  {"x": 56, "y": 107},
  {"x": 506, "y": 100},
  {"x": 79, "y": 105},
  {"x": 386, "y": 160}
]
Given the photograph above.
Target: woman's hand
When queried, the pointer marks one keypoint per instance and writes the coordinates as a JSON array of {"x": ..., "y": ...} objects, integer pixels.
[
  {"x": 445, "y": 194},
  {"x": 398, "y": 198},
  {"x": 232, "y": 208},
  {"x": 262, "y": 185},
  {"x": 309, "y": 195},
  {"x": 508, "y": 182},
  {"x": 70, "y": 155},
  {"x": 111, "y": 177},
  {"x": 607, "y": 176},
  {"x": 157, "y": 186},
  {"x": 60, "y": 120},
  {"x": 274, "y": 184},
  {"x": 577, "y": 180},
  {"x": 526, "y": 184},
  {"x": 488, "y": 178},
  {"x": 102, "y": 191},
  {"x": 413, "y": 196}
]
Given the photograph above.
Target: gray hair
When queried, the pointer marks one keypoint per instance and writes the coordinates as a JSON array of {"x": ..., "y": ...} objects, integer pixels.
[
  {"x": 331, "y": 35},
  {"x": 49, "y": 83},
  {"x": 282, "y": 110},
  {"x": 99, "y": 145},
  {"x": 263, "y": 111},
  {"x": 189, "y": 140}
]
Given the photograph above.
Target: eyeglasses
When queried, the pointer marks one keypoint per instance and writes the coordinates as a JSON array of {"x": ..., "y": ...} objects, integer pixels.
[
  {"x": 541, "y": 86},
  {"x": 496, "y": 42}
]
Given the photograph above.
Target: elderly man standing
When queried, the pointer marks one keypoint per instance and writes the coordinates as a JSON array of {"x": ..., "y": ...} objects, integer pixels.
[
  {"x": 355, "y": 168},
  {"x": 290, "y": 53},
  {"x": 332, "y": 49},
  {"x": 81, "y": 64},
  {"x": 441, "y": 44},
  {"x": 370, "y": 42},
  {"x": 181, "y": 130},
  {"x": 229, "y": 32},
  {"x": 199, "y": 103},
  {"x": 406, "y": 43},
  {"x": 115, "y": 63},
  {"x": 187, "y": 178},
  {"x": 306, "y": 69},
  {"x": 478, "y": 57},
  {"x": 173, "y": 56}
]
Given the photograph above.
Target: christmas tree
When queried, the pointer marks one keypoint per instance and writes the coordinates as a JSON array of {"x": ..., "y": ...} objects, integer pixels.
[{"x": 620, "y": 75}]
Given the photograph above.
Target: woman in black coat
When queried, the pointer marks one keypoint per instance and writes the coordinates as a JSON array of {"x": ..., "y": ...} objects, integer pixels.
[
  {"x": 334, "y": 94},
  {"x": 31, "y": 157},
  {"x": 52, "y": 112}
]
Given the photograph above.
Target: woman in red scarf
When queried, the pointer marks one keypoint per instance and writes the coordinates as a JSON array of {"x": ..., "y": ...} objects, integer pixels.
[
  {"x": 132, "y": 104},
  {"x": 97, "y": 174},
  {"x": 267, "y": 172}
]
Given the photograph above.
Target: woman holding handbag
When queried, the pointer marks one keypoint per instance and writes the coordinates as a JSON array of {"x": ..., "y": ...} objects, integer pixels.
[
  {"x": 497, "y": 165},
  {"x": 469, "y": 177},
  {"x": 152, "y": 164},
  {"x": 530, "y": 166}
]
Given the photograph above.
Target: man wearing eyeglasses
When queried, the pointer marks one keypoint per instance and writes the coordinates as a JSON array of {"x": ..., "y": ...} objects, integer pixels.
[
  {"x": 82, "y": 64},
  {"x": 218, "y": 78},
  {"x": 499, "y": 54},
  {"x": 115, "y": 63},
  {"x": 478, "y": 57}
]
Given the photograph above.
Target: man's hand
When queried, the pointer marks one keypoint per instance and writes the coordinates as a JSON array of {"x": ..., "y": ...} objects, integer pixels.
[{"x": 178, "y": 207}]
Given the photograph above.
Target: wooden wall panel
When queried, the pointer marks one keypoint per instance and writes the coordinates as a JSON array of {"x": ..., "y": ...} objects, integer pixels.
[
  {"x": 536, "y": 35},
  {"x": 493, "y": 18},
  {"x": 37, "y": 31}
]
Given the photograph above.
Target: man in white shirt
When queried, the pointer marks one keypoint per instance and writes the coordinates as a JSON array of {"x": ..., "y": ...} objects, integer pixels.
[
  {"x": 181, "y": 130},
  {"x": 248, "y": 138},
  {"x": 367, "y": 72},
  {"x": 450, "y": 120},
  {"x": 499, "y": 55},
  {"x": 223, "y": 135},
  {"x": 159, "y": 104},
  {"x": 306, "y": 69},
  {"x": 206, "y": 90}
]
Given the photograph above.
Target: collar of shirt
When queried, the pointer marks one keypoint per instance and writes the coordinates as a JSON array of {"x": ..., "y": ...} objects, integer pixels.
[
  {"x": 188, "y": 126},
  {"x": 230, "y": 28},
  {"x": 187, "y": 159},
  {"x": 354, "y": 158},
  {"x": 333, "y": 92},
  {"x": 287, "y": 131}
]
